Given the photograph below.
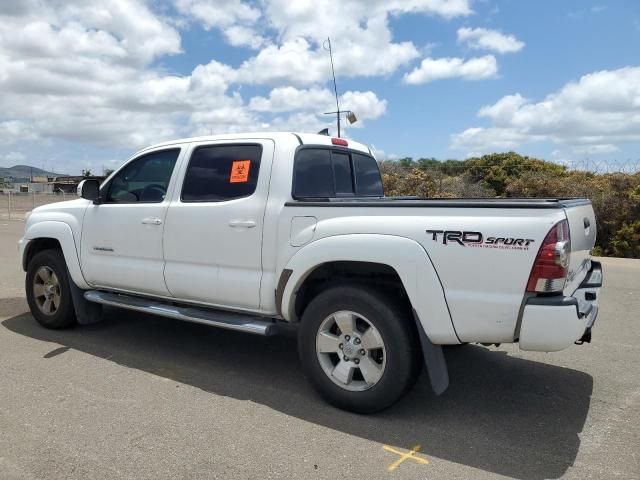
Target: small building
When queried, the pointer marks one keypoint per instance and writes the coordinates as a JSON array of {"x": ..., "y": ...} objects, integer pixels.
[
  {"x": 39, "y": 179},
  {"x": 33, "y": 187},
  {"x": 69, "y": 183}
]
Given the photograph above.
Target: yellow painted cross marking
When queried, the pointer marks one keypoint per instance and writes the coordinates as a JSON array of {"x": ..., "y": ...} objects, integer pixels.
[{"x": 411, "y": 454}]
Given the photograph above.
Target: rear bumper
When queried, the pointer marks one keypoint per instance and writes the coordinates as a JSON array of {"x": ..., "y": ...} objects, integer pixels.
[{"x": 550, "y": 324}]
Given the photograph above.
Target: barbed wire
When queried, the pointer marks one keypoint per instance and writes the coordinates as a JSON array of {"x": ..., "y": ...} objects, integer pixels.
[{"x": 604, "y": 166}]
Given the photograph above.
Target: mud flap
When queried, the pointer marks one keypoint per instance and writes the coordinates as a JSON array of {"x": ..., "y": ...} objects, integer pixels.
[
  {"x": 86, "y": 312},
  {"x": 434, "y": 360}
]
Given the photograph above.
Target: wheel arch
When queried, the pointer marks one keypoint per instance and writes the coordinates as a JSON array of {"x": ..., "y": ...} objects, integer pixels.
[
  {"x": 327, "y": 274},
  {"x": 37, "y": 245},
  {"x": 389, "y": 258},
  {"x": 53, "y": 234}
]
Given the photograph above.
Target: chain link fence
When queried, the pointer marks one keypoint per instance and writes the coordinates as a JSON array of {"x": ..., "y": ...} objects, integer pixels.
[{"x": 15, "y": 206}]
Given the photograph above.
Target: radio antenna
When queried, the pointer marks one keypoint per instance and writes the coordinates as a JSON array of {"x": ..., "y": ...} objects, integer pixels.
[
  {"x": 327, "y": 46},
  {"x": 351, "y": 117}
]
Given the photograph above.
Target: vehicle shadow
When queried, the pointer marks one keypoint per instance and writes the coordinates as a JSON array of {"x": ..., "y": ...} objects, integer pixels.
[{"x": 502, "y": 414}]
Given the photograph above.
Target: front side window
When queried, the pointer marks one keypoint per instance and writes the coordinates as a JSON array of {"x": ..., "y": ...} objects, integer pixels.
[
  {"x": 145, "y": 179},
  {"x": 222, "y": 172}
]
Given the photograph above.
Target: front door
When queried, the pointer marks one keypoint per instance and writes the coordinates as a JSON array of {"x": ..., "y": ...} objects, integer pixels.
[
  {"x": 213, "y": 231},
  {"x": 121, "y": 244}
]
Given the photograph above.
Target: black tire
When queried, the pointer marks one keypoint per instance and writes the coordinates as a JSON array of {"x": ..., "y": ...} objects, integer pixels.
[
  {"x": 393, "y": 321},
  {"x": 457, "y": 345},
  {"x": 64, "y": 315}
]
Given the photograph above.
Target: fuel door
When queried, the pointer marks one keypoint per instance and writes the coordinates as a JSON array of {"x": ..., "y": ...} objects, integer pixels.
[{"x": 302, "y": 230}]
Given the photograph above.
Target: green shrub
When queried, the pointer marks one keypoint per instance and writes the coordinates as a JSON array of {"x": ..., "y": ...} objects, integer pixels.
[
  {"x": 626, "y": 241},
  {"x": 615, "y": 196}
]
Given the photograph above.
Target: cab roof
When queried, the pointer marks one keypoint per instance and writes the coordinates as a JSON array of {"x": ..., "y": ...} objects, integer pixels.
[{"x": 303, "y": 138}]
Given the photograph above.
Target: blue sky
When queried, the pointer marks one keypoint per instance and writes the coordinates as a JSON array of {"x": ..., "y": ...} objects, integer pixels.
[{"x": 87, "y": 83}]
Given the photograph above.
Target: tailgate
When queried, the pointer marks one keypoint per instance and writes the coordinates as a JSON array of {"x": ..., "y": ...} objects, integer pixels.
[{"x": 582, "y": 227}]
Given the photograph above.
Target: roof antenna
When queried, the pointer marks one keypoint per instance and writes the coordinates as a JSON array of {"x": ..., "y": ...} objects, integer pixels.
[{"x": 350, "y": 115}]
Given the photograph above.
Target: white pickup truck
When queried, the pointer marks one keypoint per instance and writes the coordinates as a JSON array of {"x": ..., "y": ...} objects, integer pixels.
[{"x": 248, "y": 231}]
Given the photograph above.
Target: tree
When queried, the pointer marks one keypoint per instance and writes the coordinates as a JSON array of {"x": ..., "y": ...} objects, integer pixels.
[
  {"x": 406, "y": 162},
  {"x": 86, "y": 173},
  {"x": 108, "y": 171},
  {"x": 499, "y": 169}
]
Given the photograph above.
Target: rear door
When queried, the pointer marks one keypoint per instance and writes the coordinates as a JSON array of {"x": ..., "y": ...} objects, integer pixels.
[
  {"x": 213, "y": 231},
  {"x": 121, "y": 243}
]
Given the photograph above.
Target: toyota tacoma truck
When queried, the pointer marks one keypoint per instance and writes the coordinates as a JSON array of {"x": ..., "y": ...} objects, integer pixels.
[{"x": 248, "y": 231}]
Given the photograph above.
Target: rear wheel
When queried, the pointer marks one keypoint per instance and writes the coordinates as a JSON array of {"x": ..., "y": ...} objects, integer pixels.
[
  {"x": 48, "y": 291},
  {"x": 358, "y": 348}
]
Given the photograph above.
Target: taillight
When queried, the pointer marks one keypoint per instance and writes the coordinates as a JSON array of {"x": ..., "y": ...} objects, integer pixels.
[
  {"x": 549, "y": 271},
  {"x": 340, "y": 141}
]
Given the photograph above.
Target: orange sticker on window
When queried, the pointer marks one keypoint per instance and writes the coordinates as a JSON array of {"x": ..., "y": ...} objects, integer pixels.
[{"x": 240, "y": 171}]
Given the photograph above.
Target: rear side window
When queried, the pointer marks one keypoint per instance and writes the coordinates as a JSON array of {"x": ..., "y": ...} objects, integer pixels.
[
  {"x": 368, "y": 180},
  {"x": 329, "y": 173},
  {"x": 221, "y": 172},
  {"x": 313, "y": 176}
]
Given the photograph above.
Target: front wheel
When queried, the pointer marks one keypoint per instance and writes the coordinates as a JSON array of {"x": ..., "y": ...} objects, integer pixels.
[
  {"x": 358, "y": 348},
  {"x": 48, "y": 290}
]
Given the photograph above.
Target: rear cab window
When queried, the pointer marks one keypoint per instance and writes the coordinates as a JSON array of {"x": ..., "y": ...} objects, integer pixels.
[{"x": 326, "y": 172}]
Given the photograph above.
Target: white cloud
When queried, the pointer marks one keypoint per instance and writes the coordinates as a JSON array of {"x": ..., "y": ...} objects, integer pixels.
[
  {"x": 300, "y": 61},
  {"x": 366, "y": 105},
  {"x": 487, "y": 139},
  {"x": 218, "y": 13},
  {"x": 80, "y": 72},
  {"x": 283, "y": 99},
  {"x": 240, "y": 36},
  {"x": 344, "y": 18},
  {"x": 90, "y": 72},
  {"x": 360, "y": 34},
  {"x": 12, "y": 158},
  {"x": 362, "y": 39},
  {"x": 503, "y": 109},
  {"x": 316, "y": 101},
  {"x": 236, "y": 19},
  {"x": 380, "y": 154},
  {"x": 431, "y": 69},
  {"x": 493, "y": 40},
  {"x": 595, "y": 149},
  {"x": 13, "y": 131},
  {"x": 593, "y": 115}
]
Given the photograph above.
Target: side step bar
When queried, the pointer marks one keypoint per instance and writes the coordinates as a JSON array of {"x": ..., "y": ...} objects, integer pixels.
[{"x": 215, "y": 318}]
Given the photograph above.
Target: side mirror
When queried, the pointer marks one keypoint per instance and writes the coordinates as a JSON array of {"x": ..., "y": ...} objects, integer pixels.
[{"x": 89, "y": 189}]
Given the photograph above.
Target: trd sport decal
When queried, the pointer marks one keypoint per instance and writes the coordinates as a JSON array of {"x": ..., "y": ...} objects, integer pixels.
[{"x": 476, "y": 239}]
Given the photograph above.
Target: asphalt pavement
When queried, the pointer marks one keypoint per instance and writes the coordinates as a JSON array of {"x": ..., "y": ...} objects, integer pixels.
[{"x": 137, "y": 397}]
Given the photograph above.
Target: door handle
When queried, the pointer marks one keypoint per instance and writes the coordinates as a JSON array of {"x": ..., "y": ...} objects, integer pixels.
[
  {"x": 151, "y": 221},
  {"x": 242, "y": 223}
]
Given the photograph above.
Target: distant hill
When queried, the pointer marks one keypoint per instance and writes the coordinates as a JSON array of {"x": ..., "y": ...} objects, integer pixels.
[{"x": 25, "y": 171}]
